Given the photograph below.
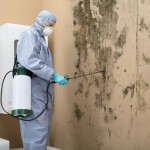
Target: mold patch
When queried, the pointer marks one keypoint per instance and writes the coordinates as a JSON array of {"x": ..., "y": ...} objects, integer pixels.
[
  {"x": 122, "y": 38},
  {"x": 87, "y": 93},
  {"x": 109, "y": 132},
  {"x": 110, "y": 115},
  {"x": 99, "y": 101},
  {"x": 143, "y": 85},
  {"x": 95, "y": 22},
  {"x": 118, "y": 54},
  {"x": 96, "y": 36},
  {"x": 143, "y": 25},
  {"x": 141, "y": 104},
  {"x": 92, "y": 29},
  {"x": 129, "y": 89},
  {"x": 80, "y": 88},
  {"x": 146, "y": 59},
  {"x": 77, "y": 112}
]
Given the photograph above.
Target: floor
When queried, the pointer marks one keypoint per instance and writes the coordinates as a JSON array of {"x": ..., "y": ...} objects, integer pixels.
[{"x": 48, "y": 148}]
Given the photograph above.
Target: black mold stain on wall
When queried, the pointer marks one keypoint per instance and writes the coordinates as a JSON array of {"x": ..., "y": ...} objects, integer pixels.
[
  {"x": 110, "y": 115},
  {"x": 118, "y": 54},
  {"x": 143, "y": 25},
  {"x": 129, "y": 89},
  {"x": 146, "y": 59},
  {"x": 80, "y": 88},
  {"x": 77, "y": 112},
  {"x": 109, "y": 132},
  {"x": 142, "y": 105},
  {"x": 122, "y": 38},
  {"x": 121, "y": 41},
  {"x": 87, "y": 93},
  {"x": 91, "y": 31},
  {"x": 99, "y": 102},
  {"x": 142, "y": 86}
]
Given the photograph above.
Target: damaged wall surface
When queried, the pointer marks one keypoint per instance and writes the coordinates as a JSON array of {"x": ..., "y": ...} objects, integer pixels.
[{"x": 105, "y": 111}]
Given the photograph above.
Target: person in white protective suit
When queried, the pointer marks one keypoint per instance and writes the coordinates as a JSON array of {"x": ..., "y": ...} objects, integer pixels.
[{"x": 34, "y": 55}]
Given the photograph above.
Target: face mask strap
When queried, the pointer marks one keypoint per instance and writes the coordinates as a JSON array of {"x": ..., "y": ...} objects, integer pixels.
[
  {"x": 41, "y": 21},
  {"x": 39, "y": 26}
]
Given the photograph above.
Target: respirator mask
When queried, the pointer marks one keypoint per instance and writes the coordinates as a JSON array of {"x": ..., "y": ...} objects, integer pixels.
[{"x": 46, "y": 30}]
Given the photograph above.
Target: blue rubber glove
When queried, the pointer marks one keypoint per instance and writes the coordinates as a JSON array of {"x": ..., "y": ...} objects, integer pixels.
[{"x": 59, "y": 79}]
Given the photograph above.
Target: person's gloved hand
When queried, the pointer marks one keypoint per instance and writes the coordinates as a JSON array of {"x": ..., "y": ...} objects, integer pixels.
[{"x": 59, "y": 79}]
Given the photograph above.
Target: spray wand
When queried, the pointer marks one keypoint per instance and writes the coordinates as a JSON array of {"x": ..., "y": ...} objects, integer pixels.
[{"x": 70, "y": 78}]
